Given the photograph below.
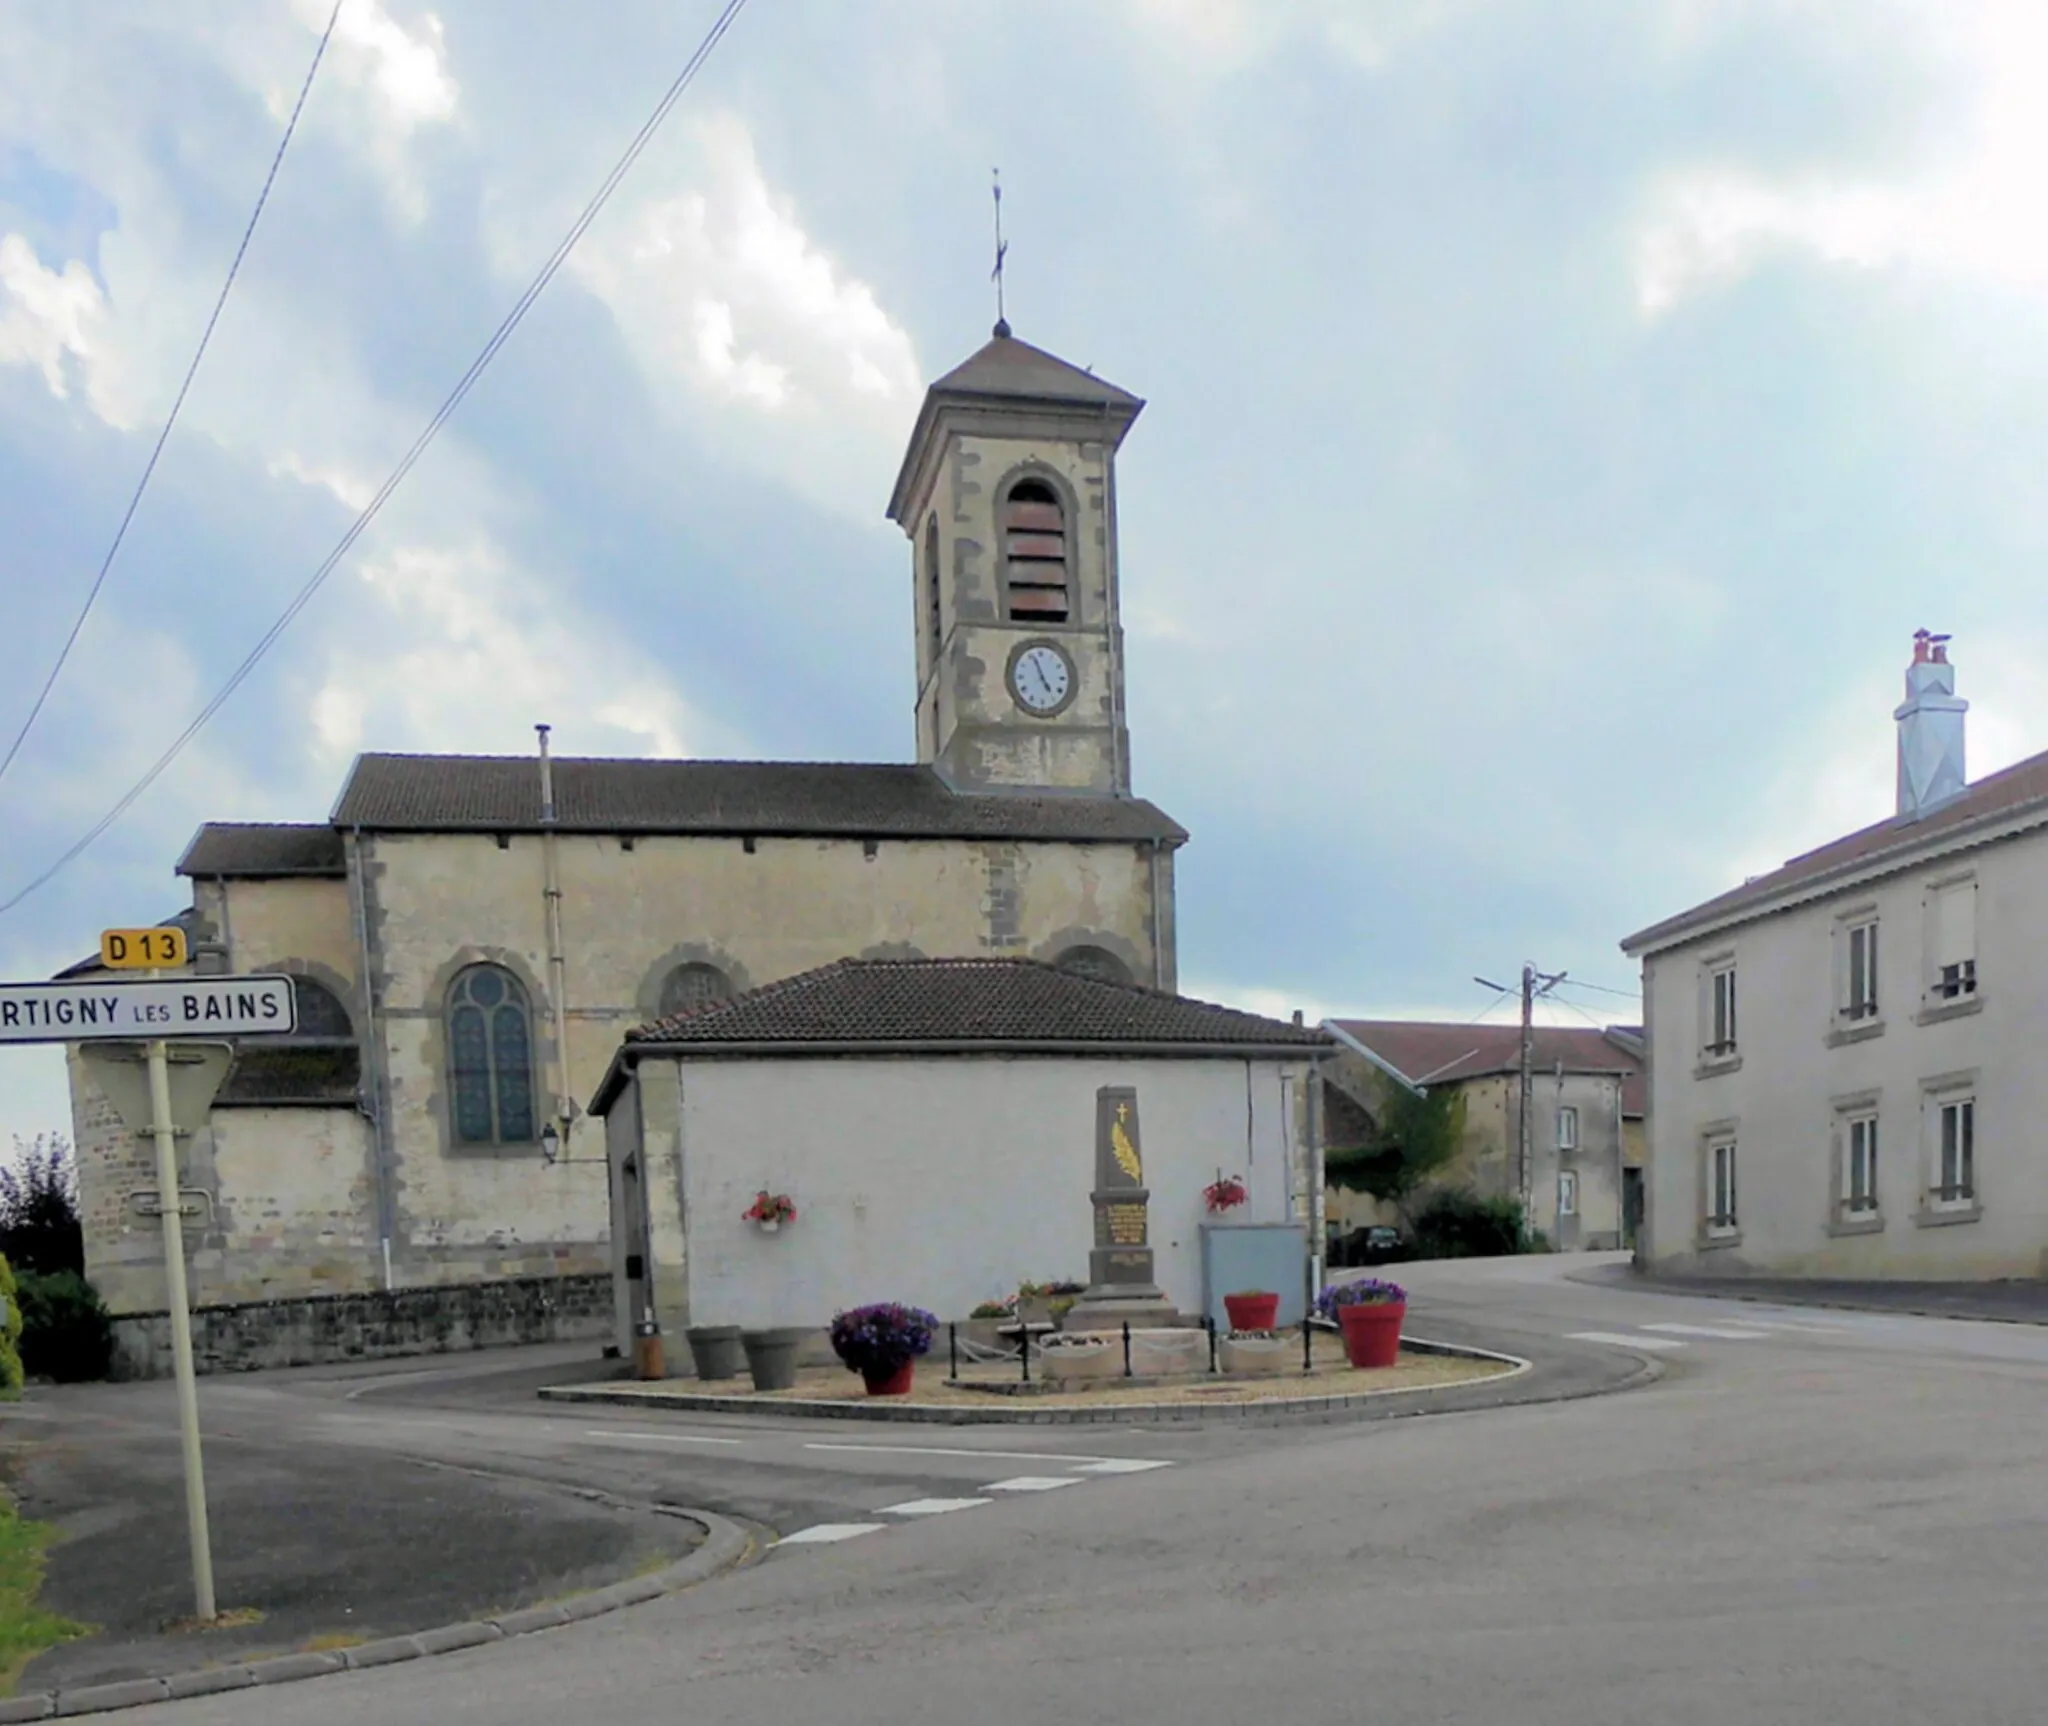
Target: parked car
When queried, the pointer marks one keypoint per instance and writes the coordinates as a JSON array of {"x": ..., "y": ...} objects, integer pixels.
[{"x": 1377, "y": 1245}]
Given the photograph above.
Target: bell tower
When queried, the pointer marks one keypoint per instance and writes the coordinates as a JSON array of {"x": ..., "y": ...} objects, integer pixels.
[{"x": 1007, "y": 494}]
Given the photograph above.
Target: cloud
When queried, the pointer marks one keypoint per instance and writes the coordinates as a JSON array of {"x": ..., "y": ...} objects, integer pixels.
[
  {"x": 737, "y": 314},
  {"x": 464, "y": 652},
  {"x": 46, "y": 316}
]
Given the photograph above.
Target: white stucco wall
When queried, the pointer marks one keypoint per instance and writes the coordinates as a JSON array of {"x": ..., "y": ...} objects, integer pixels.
[
  {"x": 945, "y": 1181},
  {"x": 1782, "y": 1102}
]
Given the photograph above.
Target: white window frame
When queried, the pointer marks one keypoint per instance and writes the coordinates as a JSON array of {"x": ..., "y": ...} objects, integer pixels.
[
  {"x": 1567, "y": 1126},
  {"x": 1720, "y": 1001},
  {"x": 1856, "y": 992},
  {"x": 1567, "y": 1192},
  {"x": 1952, "y": 1150},
  {"x": 1721, "y": 1214},
  {"x": 1857, "y": 1195}
]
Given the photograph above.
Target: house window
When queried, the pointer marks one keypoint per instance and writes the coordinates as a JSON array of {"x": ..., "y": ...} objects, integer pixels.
[
  {"x": 1859, "y": 971},
  {"x": 934, "y": 624},
  {"x": 689, "y": 987},
  {"x": 1567, "y": 1128},
  {"x": 490, "y": 1057},
  {"x": 1952, "y": 941},
  {"x": 1721, "y": 1213},
  {"x": 1859, "y": 1166},
  {"x": 1720, "y": 1014},
  {"x": 1568, "y": 1193},
  {"x": 1954, "y": 1186},
  {"x": 1035, "y": 566}
]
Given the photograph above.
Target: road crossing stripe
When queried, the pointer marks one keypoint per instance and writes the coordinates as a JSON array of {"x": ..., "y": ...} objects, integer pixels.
[
  {"x": 1031, "y": 1483},
  {"x": 1727, "y": 1333},
  {"x": 662, "y": 1437},
  {"x": 822, "y": 1532},
  {"x": 1656, "y": 1344},
  {"x": 1120, "y": 1465},
  {"x": 931, "y": 1506}
]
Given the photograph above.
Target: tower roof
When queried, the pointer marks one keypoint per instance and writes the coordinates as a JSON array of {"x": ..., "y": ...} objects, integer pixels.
[
  {"x": 1004, "y": 366},
  {"x": 1003, "y": 380}
]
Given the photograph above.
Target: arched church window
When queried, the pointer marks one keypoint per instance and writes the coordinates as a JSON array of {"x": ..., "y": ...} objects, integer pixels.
[
  {"x": 490, "y": 1057},
  {"x": 691, "y": 986},
  {"x": 315, "y": 1065},
  {"x": 322, "y": 1017},
  {"x": 935, "y": 624},
  {"x": 1097, "y": 962},
  {"x": 1036, "y": 573}
]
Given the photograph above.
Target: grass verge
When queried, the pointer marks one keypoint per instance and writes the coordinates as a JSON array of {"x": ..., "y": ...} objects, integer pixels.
[{"x": 25, "y": 1628}]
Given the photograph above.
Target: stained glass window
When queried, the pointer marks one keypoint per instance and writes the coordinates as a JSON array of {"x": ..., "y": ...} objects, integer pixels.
[{"x": 490, "y": 1058}]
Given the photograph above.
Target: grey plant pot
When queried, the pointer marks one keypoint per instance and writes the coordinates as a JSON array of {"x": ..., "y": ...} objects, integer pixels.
[
  {"x": 771, "y": 1356},
  {"x": 716, "y": 1350}
]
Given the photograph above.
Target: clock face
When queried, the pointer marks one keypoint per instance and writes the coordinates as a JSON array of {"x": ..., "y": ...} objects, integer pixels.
[{"x": 1041, "y": 678}]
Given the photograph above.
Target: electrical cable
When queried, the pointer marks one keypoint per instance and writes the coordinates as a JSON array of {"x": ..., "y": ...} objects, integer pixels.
[
  {"x": 454, "y": 399},
  {"x": 149, "y": 467}
]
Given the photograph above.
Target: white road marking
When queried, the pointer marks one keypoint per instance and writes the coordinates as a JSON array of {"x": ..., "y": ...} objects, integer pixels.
[
  {"x": 931, "y": 1506},
  {"x": 1031, "y": 1483},
  {"x": 1727, "y": 1333},
  {"x": 1120, "y": 1465},
  {"x": 997, "y": 1455},
  {"x": 662, "y": 1437},
  {"x": 1653, "y": 1343},
  {"x": 820, "y": 1533}
]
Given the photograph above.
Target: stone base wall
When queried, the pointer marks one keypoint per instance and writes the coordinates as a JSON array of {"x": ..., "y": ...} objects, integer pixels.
[{"x": 321, "y": 1329}]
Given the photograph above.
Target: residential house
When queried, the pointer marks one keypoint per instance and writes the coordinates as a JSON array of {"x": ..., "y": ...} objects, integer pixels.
[
  {"x": 1845, "y": 1072},
  {"x": 1586, "y": 1106}
]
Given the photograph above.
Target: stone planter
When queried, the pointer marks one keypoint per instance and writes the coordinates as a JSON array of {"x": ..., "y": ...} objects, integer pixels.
[
  {"x": 715, "y": 1350},
  {"x": 771, "y": 1356},
  {"x": 1080, "y": 1359},
  {"x": 1255, "y": 1356},
  {"x": 1164, "y": 1353},
  {"x": 1036, "y": 1309}
]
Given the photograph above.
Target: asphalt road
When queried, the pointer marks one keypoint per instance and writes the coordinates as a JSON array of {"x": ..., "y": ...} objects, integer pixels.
[{"x": 1810, "y": 1517}]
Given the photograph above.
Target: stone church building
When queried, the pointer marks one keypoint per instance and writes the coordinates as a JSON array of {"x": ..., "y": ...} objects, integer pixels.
[{"x": 472, "y": 936}]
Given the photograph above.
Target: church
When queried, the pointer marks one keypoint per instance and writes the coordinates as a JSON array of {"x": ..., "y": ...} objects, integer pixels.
[{"x": 471, "y": 937}]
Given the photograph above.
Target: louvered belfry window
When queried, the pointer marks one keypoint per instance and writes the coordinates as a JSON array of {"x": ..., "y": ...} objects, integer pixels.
[{"x": 1035, "y": 569}]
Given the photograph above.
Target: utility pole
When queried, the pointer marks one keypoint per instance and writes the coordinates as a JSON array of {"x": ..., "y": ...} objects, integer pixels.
[{"x": 1535, "y": 985}]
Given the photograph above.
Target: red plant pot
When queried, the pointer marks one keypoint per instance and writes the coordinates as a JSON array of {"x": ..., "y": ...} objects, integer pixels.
[
  {"x": 891, "y": 1383},
  {"x": 1253, "y": 1311},
  {"x": 1372, "y": 1332}
]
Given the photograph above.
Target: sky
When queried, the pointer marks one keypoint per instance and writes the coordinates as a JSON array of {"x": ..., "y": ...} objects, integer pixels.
[{"x": 1561, "y": 415}]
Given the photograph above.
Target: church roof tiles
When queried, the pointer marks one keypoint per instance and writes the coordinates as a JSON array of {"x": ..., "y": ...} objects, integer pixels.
[
  {"x": 1005, "y": 366},
  {"x": 263, "y": 849},
  {"x": 496, "y": 794}
]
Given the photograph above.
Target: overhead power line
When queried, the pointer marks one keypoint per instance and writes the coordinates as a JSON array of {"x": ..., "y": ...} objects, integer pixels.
[
  {"x": 382, "y": 495},
  {"x": 1602, "y": 989},
  {"x": 177, "y": 402}
]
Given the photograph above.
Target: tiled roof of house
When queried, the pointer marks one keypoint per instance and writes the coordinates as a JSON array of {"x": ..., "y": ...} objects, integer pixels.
[
  {"x": 265, "y": 848},
  {"x": 495, "y": 794},
  {"x": 887, "y": 1004},
  {"x": 1424, "y": 1052},
  {"x": 1996, "y": 797},
  {"x": 1005, "y": 366}
]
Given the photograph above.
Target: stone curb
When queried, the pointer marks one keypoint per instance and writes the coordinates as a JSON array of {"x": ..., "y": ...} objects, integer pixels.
[
  {"x": 1150, "y": 1413},
  {"x": 725, "y": 1545}
]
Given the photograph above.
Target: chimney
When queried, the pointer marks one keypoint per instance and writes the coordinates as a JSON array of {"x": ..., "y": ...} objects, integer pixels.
[{"x": 1930, "y": 731}]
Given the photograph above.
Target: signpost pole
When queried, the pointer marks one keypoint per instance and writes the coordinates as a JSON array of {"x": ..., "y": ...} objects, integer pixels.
[{"x": 181, "y": 1325}]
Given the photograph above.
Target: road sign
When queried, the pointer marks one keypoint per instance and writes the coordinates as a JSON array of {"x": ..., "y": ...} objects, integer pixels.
[
  {"x": 145, "y": 1007},
  {"x": 143, "y": 949},
  {"x": 195, "y": 1072}
]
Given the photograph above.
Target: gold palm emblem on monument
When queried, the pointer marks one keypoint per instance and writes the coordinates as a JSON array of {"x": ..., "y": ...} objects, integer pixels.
[{"x": 1120, "y": 1143}]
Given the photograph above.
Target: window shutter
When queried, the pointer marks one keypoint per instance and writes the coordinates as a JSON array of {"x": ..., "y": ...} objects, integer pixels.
[
  {"x": 1035, "y": 553},
  {"x": 1955, "y": 924}
]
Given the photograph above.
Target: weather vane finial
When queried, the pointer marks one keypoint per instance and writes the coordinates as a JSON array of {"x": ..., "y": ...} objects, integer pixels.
[{"x": 1002, "y": 250}]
